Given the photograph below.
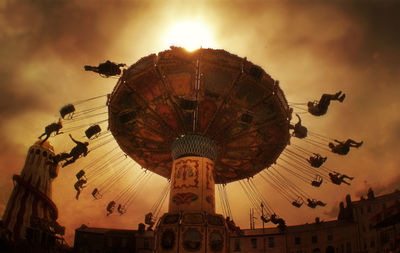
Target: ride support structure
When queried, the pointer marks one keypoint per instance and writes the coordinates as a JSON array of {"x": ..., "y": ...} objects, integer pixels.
[
  {"x": 30, "y": 213},
  {"x": 191, "y": 223}
]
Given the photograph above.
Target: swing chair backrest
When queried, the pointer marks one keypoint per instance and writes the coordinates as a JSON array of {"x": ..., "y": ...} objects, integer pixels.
[
  {"x": 67, "y": 111},
  {"x": 80, "y": 174},
  {"x": 96, "y": 194},
  {"x": 93, "y": 132}
]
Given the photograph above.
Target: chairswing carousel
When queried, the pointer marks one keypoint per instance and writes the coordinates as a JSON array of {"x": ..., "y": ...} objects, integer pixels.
[{"x": 198, "y": 119}]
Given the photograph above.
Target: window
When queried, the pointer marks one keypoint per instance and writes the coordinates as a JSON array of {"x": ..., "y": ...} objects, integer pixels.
[
  {"x": 369, "y": 208},
  {"x": 372, "y": 243},
  {"x": 330, "y": 237},
  {"x": 361, "y": 210},
  {"x": 297, "y": 240},
  {"x": 314, "y": 239},
  {"x": 348, "y": 247},
  {"x": 271, "y": 242},
  {"x": 254, "y": 243},
  {"x": 384, "y": 237},
  {"x": 216, "y": 241},
  {"x": 192, "y": 240},
  {"x": 237, "y": 245},
  {"x": 146, "y": 243},
  {"x": 116, "y": 242},
  {"x": 330, "y": 249},
  {"x": 168, "y": 239},
  {"x": 124, "y": 242}
]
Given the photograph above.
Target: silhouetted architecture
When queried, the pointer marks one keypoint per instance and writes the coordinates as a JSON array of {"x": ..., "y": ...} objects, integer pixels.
[
  {"x": 378, "y": 230},
  {"x": 30, "y": 217},
  {"x": 89, "y": 239},
  {"x": 330, "y": 236},
  {"x": 369, "y": 225}
]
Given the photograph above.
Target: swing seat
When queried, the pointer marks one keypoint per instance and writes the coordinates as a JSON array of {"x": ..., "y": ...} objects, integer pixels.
[
  {"x": 317, "y": 181},
  {"x": 298, "y": 202},
  {"x": 93, "y": 132},
  {"x": 148, "y": 219},
  {"x": 96, "y": 194},
  {"x": 121, "y": 210},
  {"x": 80, "y": 174},
  {"x": 67, "y": 111}
]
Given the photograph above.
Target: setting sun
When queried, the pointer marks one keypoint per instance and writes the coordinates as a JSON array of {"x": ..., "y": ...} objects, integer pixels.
[{"x": 189, "y": 34}]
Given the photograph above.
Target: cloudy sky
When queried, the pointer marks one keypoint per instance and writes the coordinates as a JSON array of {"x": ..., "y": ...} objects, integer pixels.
[{"x": 309, "y": 46}]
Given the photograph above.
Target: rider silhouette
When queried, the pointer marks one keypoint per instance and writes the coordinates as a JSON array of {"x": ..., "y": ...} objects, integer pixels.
[
  {"x": 320, "y": 108},
  {"x": 77, "y": 151},
  {"x": 52, "y": 128},
  {"x": 342, "y": 148}
]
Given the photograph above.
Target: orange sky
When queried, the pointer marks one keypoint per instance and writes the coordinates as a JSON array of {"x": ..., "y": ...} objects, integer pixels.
[{"x": 310, "y": 48}]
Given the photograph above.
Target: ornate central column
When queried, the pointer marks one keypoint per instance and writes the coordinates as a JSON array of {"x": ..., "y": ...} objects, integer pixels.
[
  {"x": 191, "y": 224},
  {"x": 192, "y": 180}
]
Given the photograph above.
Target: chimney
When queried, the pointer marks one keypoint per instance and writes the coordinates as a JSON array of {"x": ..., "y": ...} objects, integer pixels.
[
  {"x": 370, "y": 194},
  {"x": 141, "y": 228},
  {"x": 341, "y": 211},
  {"x": 348, "y": 200}
]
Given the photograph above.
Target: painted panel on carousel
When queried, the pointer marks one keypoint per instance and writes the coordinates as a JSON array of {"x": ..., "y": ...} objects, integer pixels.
[{"x": 186, "y": 174}]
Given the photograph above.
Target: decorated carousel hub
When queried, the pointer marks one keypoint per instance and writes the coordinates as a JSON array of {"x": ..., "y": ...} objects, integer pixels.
[
  {"x": 209, "y": 93},
  {"x": 198, "y": 119}
]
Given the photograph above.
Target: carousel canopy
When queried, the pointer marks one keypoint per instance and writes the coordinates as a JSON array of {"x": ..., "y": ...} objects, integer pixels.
[{"x": 210, "y": 93}]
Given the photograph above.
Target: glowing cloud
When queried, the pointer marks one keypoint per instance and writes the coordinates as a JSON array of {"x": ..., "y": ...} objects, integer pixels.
[{"x": 189, "y": 34}]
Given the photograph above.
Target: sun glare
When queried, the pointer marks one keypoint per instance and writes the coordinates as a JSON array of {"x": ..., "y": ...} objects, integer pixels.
[{"x": 189, "y": 34}]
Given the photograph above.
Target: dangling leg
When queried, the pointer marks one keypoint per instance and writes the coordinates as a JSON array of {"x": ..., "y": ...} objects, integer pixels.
[
  {"x": 326, "y": 98},
  {"x": 324, "y": 102},
  {"x": 338, "y": 97},
  {"x": 341, "y": 98},
  {"x": 346, "y": 182},
  {"x": 45, "y": 139},
  {"x": 61, "y": 157},
  {"x": 72, "y": 160},
  {"x": 352, "y": 143},
  {"x": 91, "y": 68},
  {"x": 345, "y": 176},
  {"x": 78, "y": 192}
]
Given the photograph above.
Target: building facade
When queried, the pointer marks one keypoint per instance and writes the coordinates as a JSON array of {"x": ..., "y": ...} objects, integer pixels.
[
  {"x": 366, "y": 213},
  {"x": 105, "y": 240},
  {"x": 330, "y": 237},
  {"x": 370, "y": 225}
]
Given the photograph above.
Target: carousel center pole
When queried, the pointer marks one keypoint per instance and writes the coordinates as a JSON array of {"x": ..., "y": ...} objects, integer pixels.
[{"x": 191, "y": 224}]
